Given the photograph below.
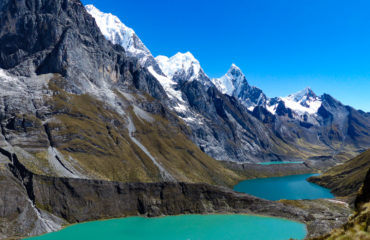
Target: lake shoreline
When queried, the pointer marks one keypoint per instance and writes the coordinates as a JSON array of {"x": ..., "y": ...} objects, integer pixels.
[{"x": 82, "y": 200}]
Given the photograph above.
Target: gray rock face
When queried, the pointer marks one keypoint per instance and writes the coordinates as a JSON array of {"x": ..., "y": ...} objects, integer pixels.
[
  {"x": 78, "y": 200},
  {"x": 335, "y": 128},
  {"x": 61, "y": 37},
  {"x": 19, "y": 217},
  {"x": 228, "y": 131},
  {"x": 238, "y": 139},
  {"x": 52, "y": 53}
]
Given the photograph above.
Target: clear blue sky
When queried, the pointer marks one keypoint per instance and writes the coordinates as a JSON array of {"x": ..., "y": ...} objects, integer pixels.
[{"x": 282, "y": 46}]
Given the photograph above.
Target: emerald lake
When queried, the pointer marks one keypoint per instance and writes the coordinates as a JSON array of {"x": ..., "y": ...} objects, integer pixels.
[
  {"x": 184, "y": 227},
  {"x": 288, "y": 187}
]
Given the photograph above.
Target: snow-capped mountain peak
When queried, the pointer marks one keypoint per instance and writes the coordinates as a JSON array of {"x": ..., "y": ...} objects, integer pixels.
[
  {"x": 303, "y": 95},
  {"x": 231, "y": 82},
  {"x": 304, "y": 101},
  {"x": 180, "y": 63},
  {"x": 118, "y": 33}
]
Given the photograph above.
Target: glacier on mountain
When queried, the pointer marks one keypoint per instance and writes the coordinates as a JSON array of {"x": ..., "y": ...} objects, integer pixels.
[
  {"x": 184, "y": 66},
  {"x": 180, "y": 62},
  {"x": 118, "y": 33}
]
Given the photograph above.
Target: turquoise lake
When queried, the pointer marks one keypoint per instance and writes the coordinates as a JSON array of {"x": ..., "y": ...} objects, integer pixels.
[
  {"x": 288, "y": 187},
  {"x": 184, "y": 227}
]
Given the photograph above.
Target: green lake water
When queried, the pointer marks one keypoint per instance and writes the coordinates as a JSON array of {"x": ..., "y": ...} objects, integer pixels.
[
  {"x": 184, "y": 227},
  {"x": 288, "y": 187}
]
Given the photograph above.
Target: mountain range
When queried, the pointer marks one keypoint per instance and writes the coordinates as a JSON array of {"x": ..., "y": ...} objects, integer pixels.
[
  {"x": 295, "y": 124},
  {"x": 86, "y": 108}
]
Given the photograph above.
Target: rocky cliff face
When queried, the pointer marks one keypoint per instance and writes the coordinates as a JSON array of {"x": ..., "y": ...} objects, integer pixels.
[
  {"x": 82, "y": 118},
  {"x": 78, "y": 106},
  {"x": 332, "y": 131},
  {"x": 45, "y": 203}
]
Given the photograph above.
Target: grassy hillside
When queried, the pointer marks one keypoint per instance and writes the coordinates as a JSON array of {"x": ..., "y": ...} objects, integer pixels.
[
  {"x": 346, "y": 179},
  {"x": 94, "y": 142}
]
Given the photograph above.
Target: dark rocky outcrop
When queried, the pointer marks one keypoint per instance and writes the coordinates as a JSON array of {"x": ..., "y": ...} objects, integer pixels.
[
  {"x": 228, "y": 131},
  {"x": 79, "y": 200},
  {"x": 72, "y": 95},
  {"x": 61, "y": 37},
  {"x": 82, "y": 200},
  {"x": 67, "y": 109}
]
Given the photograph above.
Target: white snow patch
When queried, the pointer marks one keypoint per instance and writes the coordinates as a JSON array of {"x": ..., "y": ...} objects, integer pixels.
[
  {"x": 118, "y": 33},
  {"x": 167, "y": 84},
  {"x": 179, "y": 62},
  {"x": 195, "y": 120},
  {"x": 303, "y": 102},
  {"x": 272, "y": 109}
]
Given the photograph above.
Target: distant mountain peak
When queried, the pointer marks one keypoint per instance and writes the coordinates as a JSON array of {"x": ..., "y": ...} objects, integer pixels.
[
  {"x": 231, "y": 82},
  {"x": 304, "y": 101},
  {"x": 303, "y": 95},
  {"x": 234, "y": 83},
  {"x": 180, "y": 63},
  {"x": 234, "y": 69}
]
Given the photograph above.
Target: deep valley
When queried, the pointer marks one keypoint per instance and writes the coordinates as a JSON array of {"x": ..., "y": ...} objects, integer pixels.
[{"x": 93, "y": 127}]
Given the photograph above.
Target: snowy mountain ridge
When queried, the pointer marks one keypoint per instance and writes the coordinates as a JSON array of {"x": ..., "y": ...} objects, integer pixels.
[
  {"x": 302, "y": 103},
  {"x": 118, "y": 33},
  {"x": 185, "y": 66}
]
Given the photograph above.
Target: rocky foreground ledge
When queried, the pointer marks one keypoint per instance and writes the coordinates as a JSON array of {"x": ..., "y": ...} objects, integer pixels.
[{"x": 32, "y": 204}]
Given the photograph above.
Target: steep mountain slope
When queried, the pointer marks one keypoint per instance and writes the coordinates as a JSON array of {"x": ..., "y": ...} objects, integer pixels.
[
  {"x": 91, "y": 111},
  {"x": 224, "y": 129},
  {"x": 358, "y": 226},
  {"x": 301, "y": 125},
  {"x": 333, "y": 131},
  {"x": 304, "y": 119},
  {"x": 345, "y": 180},
  {"x": 118, "y": 33}
]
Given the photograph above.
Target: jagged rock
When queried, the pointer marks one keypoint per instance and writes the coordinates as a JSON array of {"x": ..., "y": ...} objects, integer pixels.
[
  {"x": 75, "y": 105},
  {"x": 61, "y": 37},
  {"x": 303, "y": 115}
]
